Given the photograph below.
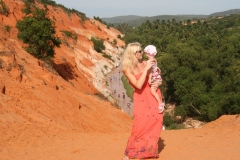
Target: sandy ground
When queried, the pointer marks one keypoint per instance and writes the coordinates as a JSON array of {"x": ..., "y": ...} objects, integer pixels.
[
  {"x": 218, "y": 140},
  {"x": 44, "y": 116}
]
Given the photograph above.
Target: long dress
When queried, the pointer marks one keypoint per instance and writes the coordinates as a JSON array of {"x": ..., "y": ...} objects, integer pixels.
[{"x": 147, "y": 124}]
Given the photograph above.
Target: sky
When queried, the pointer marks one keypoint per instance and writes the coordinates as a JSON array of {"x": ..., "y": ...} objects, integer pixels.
[{"x": 112, "y": 8}]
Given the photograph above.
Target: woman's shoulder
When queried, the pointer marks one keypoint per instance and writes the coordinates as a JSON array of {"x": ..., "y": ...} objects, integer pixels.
[{"x": 127, "y": 72}]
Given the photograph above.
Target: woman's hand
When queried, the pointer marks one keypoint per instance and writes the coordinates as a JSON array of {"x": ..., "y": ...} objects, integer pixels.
[
  {"x": 150, "y": 63},
  {"x": 156, "y": 84}
]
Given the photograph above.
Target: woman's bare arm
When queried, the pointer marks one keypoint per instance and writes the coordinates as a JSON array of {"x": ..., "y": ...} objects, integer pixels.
[
  {"x": 156, "y": 84},
  {"x": 138, "y": 83}
]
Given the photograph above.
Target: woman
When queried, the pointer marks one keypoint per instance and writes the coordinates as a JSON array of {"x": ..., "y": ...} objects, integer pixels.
[{"x": 147, "y": 123}]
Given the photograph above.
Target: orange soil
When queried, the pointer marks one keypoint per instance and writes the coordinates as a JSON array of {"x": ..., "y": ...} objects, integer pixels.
[{"x": 44, "y": 115}]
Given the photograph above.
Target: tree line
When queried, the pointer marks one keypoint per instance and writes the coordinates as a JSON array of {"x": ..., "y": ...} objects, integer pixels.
[{"x": 200, "y": 63}]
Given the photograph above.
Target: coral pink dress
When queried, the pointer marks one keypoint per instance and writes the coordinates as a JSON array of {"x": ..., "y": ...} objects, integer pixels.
[{"x": 147, "y": 124}]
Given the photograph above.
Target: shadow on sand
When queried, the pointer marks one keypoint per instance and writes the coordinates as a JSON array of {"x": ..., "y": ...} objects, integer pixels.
[{"x": 160, "y": 145}]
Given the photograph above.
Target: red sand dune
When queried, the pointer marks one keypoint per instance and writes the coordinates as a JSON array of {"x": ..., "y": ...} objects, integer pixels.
[{"x": 45, "y": 116}]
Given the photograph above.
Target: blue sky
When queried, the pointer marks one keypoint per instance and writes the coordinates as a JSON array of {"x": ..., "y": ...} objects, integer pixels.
[{"x": 112, "y": 8}]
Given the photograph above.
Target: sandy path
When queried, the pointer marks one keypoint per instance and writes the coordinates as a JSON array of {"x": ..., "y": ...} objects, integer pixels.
[
  {"x": 215, "y": 141},
  {"x": 66, "y": 146}
]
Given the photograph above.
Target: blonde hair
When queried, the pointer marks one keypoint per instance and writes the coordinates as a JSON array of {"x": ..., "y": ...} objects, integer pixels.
[{"x": 129, "y": 61}]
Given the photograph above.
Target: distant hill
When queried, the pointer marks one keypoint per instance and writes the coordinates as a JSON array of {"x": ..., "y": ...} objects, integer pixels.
[
  {"x": 121, "y": 19},
  {"x": 226, "y": 13},
  {"x": 138, "y": 20},
  {"x": 178, "y": 18},
  {"x": 133, "y": 20}
]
